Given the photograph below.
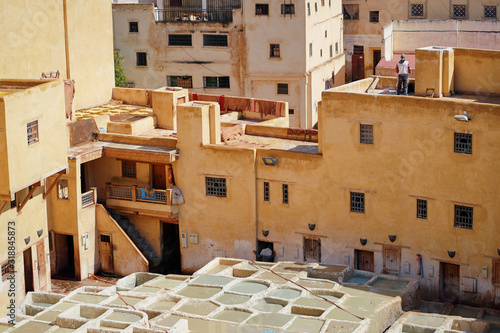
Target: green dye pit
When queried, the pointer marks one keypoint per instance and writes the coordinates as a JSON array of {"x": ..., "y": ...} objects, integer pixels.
[
  {"x": 462, "y": 311},
  {"x": 161, "y": 305},
  {"x": 199, "y": 292},
  {"x": 87, "y": 298},
  {"x": 316, "y": 284},
  {"x": 198, "y": 308},
  {"x": 358, "y": 279},
  {"x": 123, "y": 317},
  {"x": 49, "y": 316},
  {"x": 270, "y": 319},
  {"x": 212, "y": 280},
  {"x": 365, "y": 303},
  {"x": 63, "y": 306},
  {"x": 341, "y": 327},
  {"x": 144, "y": 289},
  {"x": 218, "y": 269},
  {"x": 128, "y": 299},
  {"x": 230, "y": 299},
  {"x": 248, "y": 287},
  {"x": 389, "y": 284},
  {"x": 313, "y": 302},
  {"x": 275, "y": 278},
  {"x": 489, "y": 317},
  {"x": 166, "y": 283},
  {"x": 63, "y": 330},
  {"x": 305, "y": 325},
  {"x": 234, "y": 316},
  {"x": 431, "y": 307},
  {"x": 285, "y": 293},
  {"x": 31, "y": 327},
  {"x": 4, "y": 328},
  {"x": 199, "y": 325},
  {"x": 338, "y": 314},
  {"x": 429, "y": 321},
  {"x": 43, "y": 305},
  {"x": 267, "y": 306}
]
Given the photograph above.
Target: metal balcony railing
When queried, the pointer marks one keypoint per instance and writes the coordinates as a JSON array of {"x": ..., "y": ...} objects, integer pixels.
[
  {"x": 194, "y": 15},
  {"x": 135, "y": 193}
]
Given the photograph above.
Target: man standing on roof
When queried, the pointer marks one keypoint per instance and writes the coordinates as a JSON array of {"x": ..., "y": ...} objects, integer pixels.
[{"x": 403, "y": 69}]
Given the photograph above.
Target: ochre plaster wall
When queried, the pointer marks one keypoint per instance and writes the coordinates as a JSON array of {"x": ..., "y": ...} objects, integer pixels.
[{"x": 477, "y": 71}]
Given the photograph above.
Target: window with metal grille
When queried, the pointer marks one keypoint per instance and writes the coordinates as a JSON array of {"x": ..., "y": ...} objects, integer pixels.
[
  {"x": 7, "y": 270},
  {"x": 180, "y": 40},
  {"x": 331, "y": 50},
  {"x": 337, "y": 48},
  {"x": 285, "y": 193},
  {"x": 366, "y": 133},
  {"x": 133, "y": 27},
  {"x": 106, "y": 238},
  {"x": 459, "y": 11},
  {"x": 175, "y": 3},
  {"x": 266, "y": 191},
  {"x": 316, "y": 6},
  {"x": 490, "y": 11},
  {"x": 417, "y": 10},
  {"x": 351, "y": 12},
  {"x": 310, "y": 49},
  {"x": 308, "y": 8},
  {"x": 180, "y": 81},
  {"x": 129, "y": 169},
  {"x": 422, "y": 209},
  {"x": 330, "y": 3},
  {"x": 216, "y": 187},
  {"x": 32, "y": 130},
  {"x": 283, "y": 88},
  {"x": 216, "y": 81},
  {"x": 215, "y": 40},
  {"x": 287, "y": 8},
  {"x": 463, "y": 217},
  {"x": 261, "y": 9},
  {"x": 358, "y": 49},
  {"x": 141, "y": 59},
  {"x": 463, "y": 143},
  {"x": 291, "y": 111},
  {"x": 357, "y": 202},
  {"x": 312, "y": 249},
  {"x": 374, "y": 16},
  {"x": 62, "y": 189},
  {"x": 274, "y": 50}
]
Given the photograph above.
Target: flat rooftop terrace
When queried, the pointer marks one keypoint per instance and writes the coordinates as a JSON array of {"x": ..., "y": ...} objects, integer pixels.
[
  {"x": 116, "y": 110},
  {"x": 465, "y": 97},
  {"x": 254, "y": 141}
]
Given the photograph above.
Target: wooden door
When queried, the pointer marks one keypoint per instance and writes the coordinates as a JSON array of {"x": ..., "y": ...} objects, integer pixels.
[
  {"x": 312, "y": 249},
  {"x": 358, "y": 67},
  {"x": 392, "y": 259},
  {"x": 496, "y": 281},
  {"x": 42, "y": 271},
  {"x": 159, "y": 177},
  {"x": 106, "y": 253},
  {"x": 364, "y": 260},
  {"x": 376, "y": 58},
  {"x": 449, "y": 282}
]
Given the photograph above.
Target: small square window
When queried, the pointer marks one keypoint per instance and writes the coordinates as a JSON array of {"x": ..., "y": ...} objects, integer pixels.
[
  {"x": 366, "y": 134},
  {"x": 133, "y": 27},
  {"x": 62, "y": 189},
  {"x": 142, "y": 59},
  {"x": 463, "y": 143},
  {"x": 417, "y": 10},
  {"x": 374, "y": 16},
  {"x": 308, "y": 8},
  {"x": 285, "y": 193},
  {"x": 266, "y": 191},
  {"x": 216, "y": 187},
  {"x": 459, "y": 11},
  {"x": 32, "y": 130},
  {"x": 358, "y": 49},
  {"x": 287, "y": 8},
  {"x": 463, "y": 217},
  {"x": 310, "y": 49},
  {"x": 422, "y": 209},
  {"x": 129, "y": 169},
  {"x": 291, "y": 111},
  {"x": 283, "y": 88},
  {"x": 274, "y": 50},
  {"x": 261, "y": 9},
  {"x": 357, "y": 202},
  {"x": 106, "y": 238},
  {"x": 490, "y": 12}
]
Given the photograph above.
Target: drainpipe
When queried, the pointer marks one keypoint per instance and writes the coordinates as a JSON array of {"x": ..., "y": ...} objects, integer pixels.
[{"x": 66, "y": 39}]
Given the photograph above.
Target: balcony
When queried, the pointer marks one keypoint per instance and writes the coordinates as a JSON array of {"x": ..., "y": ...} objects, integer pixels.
[
  {"x": 141, "y": 200},
  {"x": 89, "y": 198}
]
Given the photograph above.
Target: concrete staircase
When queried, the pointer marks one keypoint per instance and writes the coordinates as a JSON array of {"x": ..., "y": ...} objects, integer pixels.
[{"x": 139, "y": 241}]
